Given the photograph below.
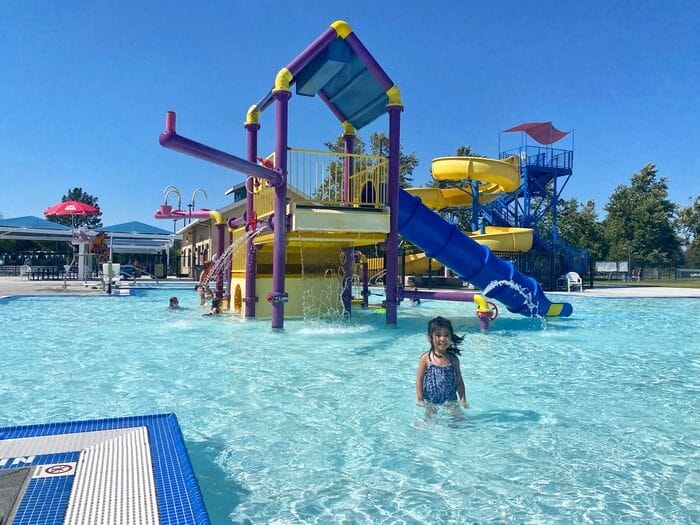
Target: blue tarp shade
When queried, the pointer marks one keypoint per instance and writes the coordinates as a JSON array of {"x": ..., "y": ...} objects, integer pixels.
[
  {"x": 346, "y": 84},
  {"x": 135, "y": 227},
  {"x": 30, "y": 221}
]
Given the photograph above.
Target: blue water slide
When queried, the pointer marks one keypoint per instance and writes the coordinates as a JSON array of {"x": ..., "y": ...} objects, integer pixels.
[{"x": 473, "y": 262}]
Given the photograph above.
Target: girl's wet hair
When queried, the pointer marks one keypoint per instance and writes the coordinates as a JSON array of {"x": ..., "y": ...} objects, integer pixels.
[{"x": 440, "y": 322}]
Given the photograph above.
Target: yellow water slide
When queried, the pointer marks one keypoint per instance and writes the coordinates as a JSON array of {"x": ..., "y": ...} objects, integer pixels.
[{"x": 495, "y": 177}]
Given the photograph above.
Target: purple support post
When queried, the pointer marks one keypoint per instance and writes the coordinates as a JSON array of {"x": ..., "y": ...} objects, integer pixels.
[
  {"x": 347, "y": 281},
  {"x": 392, "y": 239},
  {"x": 229, "y": 266},
  {"x": 349, "y": 143},
  {"x": 484, "y": 321},
  {"x": 220, "y": 239},
  {"x": 250, "y": 250},
  {"x": 348, "y": 253},
  {"x": 365, "y": 285},
  {"x": 278, "y": 296}
]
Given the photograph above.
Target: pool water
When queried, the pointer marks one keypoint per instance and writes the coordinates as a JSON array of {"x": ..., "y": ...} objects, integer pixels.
[{"x": 589, "y": 419}]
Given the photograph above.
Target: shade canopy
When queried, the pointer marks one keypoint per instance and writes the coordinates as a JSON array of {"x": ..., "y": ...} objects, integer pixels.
[
  {"x": 542, "y": 132},
  {"x": 71, "y": 208}
]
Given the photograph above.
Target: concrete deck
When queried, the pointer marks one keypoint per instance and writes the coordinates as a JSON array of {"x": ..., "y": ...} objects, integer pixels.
[
  {"x": 17, "y": 286},
  {"x": 634, "y": 291}
]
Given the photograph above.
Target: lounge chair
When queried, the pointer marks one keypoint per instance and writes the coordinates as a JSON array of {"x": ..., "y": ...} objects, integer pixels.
[
  {"x": 573, "y": 280},
  {"x": 25, "y": 271}
]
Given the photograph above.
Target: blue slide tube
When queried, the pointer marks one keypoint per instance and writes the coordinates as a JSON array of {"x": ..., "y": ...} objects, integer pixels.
[{"x": 473, "y": 262}]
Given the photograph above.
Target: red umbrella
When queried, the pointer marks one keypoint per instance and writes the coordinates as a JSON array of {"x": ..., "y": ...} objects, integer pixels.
[{"x": 71, "y": 208}]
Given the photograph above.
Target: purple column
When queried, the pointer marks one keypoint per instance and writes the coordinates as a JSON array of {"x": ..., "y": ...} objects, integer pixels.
[
  {"x": 220, "y": 239},
  {"x": 229, "y": 266},
  {"x": 279, "y": 221},
  {"x": 349, "y": 143},
  {"x": 365, "y": 285},
  {"x": 250, "y": 250},
  {"x": 348, "y": 253},
  {"x": 392, "y": 240}
]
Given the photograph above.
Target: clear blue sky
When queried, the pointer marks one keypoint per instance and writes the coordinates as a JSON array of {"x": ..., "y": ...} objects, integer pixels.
[{"x": 84, "y": 88}]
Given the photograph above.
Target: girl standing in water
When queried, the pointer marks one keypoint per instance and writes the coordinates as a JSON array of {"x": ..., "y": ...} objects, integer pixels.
[{"x": 439, "y": 378}]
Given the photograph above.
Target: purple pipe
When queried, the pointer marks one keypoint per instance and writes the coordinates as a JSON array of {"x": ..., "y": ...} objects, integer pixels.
[
  {"x": 236, "y": 222},
  {"x": 220, "y": 239},
  {"x": 368, "y": 60},
  {"x": 462, "y": 297},
  {"x": 250, "y": 249},
  {"x": 392, "y": 240},
  {"x": 278, "y": 296},
  {"x": 171, "y": 140},
  {"x": 332, "y": 107},
  {"x": 166, "y": 213},
  {"x": 312, "y": 51}
]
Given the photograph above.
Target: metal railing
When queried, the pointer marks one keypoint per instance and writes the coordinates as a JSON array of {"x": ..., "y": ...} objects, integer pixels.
[
  {"x": 317, "y": 176},
  {"x": 541, "y": 157}
]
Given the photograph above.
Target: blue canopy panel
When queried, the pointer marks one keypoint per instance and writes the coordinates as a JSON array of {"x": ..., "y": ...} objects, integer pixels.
[
  {"x": 33, "y": 222},
  {"x": 345, "y": 83}
]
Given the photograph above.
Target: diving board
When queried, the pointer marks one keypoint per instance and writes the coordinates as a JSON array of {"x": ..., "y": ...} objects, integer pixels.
[{"x": 108, "y": 471}]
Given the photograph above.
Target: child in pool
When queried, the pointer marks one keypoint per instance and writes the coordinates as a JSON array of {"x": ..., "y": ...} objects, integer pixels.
[
  {"x": 215, "y": 307},
  {"x": 439, "y": 378},
  {"x": 411, "y": 285},
  {"x": 174, "y": 304}
]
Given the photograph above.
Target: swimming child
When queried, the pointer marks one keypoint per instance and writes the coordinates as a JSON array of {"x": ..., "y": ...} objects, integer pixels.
[
  {"x": 173, "y": 303},
  {"x": 215, "y": 307},
  {"x": 439, "y": 378},
  {"x": 205, "y": 292},
  {"x": 411, "y": 285}
]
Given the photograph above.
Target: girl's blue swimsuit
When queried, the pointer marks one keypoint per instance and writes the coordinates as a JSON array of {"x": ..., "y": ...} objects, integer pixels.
[{"x": 440, "y": 383}]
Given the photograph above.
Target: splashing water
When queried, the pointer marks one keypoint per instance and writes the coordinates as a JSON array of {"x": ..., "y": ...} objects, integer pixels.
[{"x": 530, "y": 303}]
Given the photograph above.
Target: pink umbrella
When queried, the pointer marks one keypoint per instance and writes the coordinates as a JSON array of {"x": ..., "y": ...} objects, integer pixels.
[{"x": 71, "y": 208}]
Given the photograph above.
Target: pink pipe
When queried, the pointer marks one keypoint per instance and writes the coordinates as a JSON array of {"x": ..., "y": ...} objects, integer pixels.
[{"x": 164, "y": 213}]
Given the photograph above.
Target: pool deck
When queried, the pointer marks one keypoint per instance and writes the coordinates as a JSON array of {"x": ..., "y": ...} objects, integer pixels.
[{"x": 15, "y": 286}]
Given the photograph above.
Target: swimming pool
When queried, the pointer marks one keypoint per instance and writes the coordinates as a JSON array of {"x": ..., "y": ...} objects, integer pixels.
[{"x": 591, "y": 418}]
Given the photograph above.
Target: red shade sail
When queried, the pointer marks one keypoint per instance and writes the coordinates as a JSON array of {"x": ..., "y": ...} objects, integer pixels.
[
  {"x": 542, "y": 132},
  {"x": 71, "y": 208}
]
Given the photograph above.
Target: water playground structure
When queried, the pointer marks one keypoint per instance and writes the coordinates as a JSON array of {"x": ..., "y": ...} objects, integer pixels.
[{"x": 303, "y": 224}]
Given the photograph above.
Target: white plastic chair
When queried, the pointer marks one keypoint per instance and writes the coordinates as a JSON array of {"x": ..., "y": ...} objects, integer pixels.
[
  {"x": 573, "y": 280},
  {"x": 25, "y": 271}
]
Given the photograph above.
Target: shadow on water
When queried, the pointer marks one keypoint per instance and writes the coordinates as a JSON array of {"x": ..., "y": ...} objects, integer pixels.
[
  {"x": 505, "y": 416},
  {"x": 221, "y": 494},
  {"x": 470, "y": 420}
]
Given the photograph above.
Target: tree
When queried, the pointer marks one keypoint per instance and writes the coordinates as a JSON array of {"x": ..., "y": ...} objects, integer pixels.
[
  {"x": 577, "y": 224},
  {"x": 688, "y": 225},
  {"x": 89, "y": 221},
  {"x": 639, "y": 222}
]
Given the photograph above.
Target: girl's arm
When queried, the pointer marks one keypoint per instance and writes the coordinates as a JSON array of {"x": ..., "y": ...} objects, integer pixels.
[
  {"x": 461, "y": 391},
  {"x": 420, "y": 375}
]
